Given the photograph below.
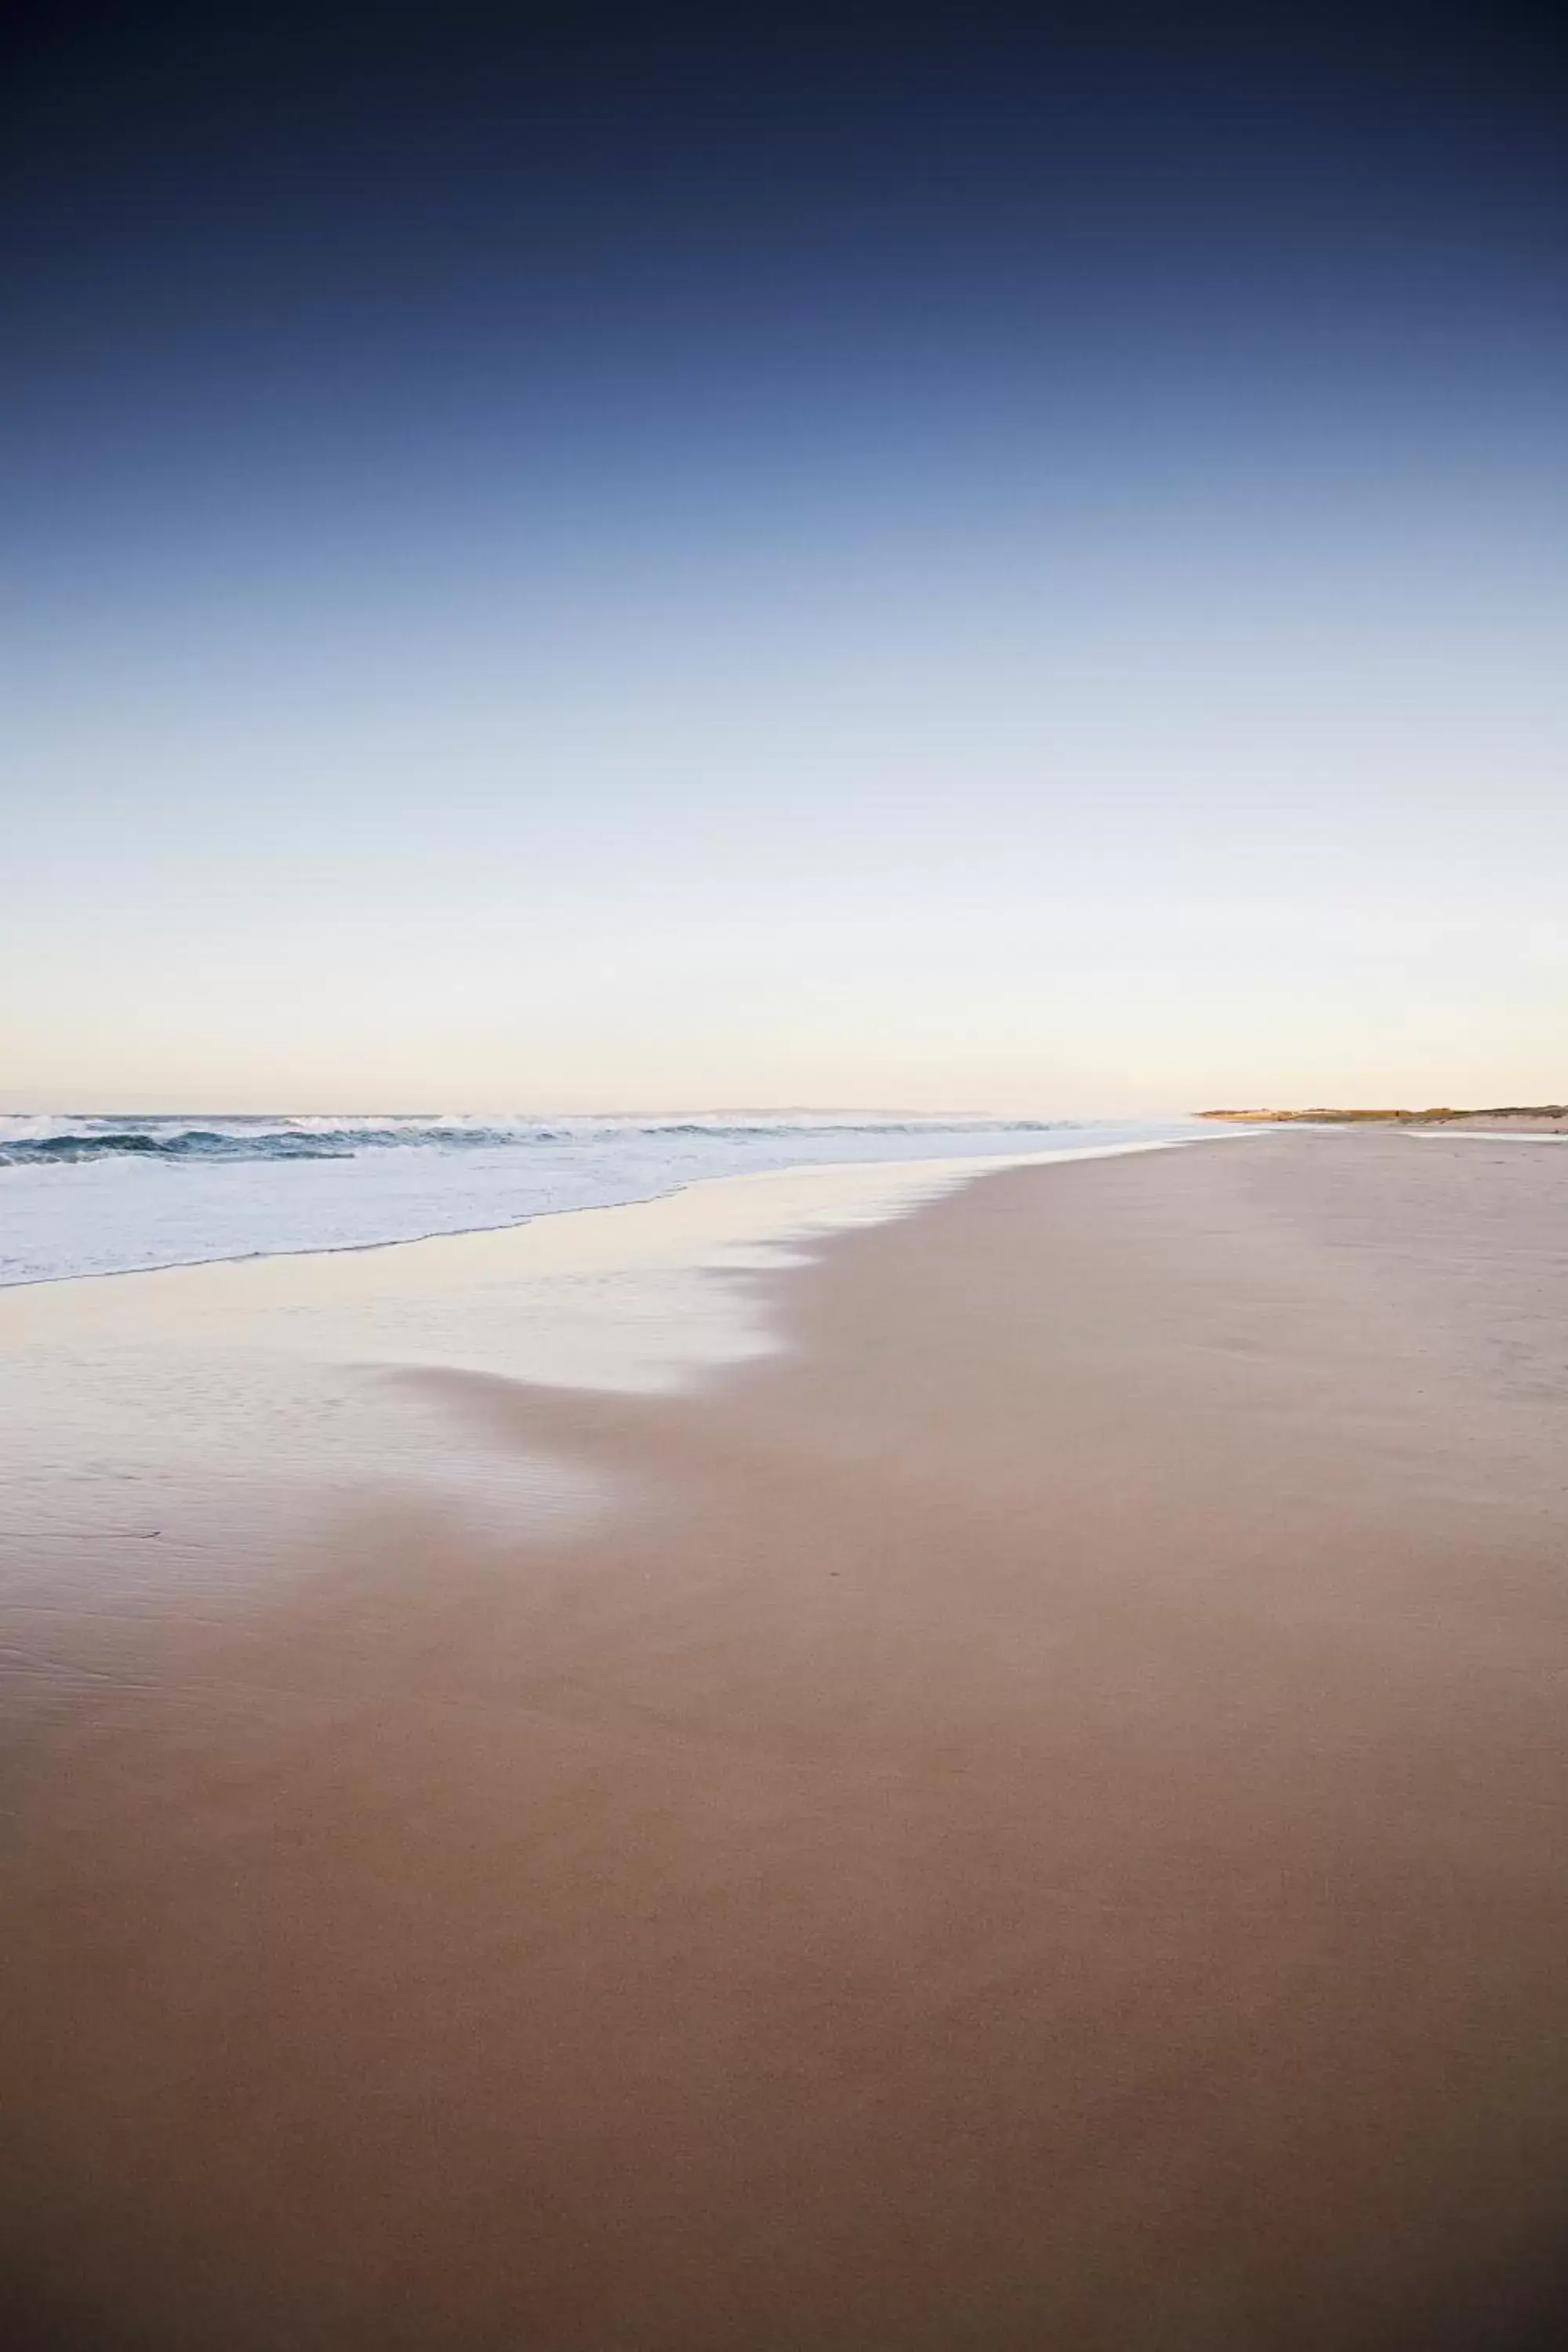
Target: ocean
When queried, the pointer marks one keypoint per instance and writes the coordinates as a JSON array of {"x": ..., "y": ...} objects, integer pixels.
[{"x": 113, "y": 1194}]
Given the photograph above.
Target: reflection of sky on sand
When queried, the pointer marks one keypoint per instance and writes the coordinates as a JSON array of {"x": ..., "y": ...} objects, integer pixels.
[
  {"x": 639, "y": 1298},
  {"x": 177, "y": 1428}
]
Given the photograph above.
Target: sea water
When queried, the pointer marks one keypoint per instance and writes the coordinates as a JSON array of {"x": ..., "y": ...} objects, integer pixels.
[{"x": 110, "y": 1194}]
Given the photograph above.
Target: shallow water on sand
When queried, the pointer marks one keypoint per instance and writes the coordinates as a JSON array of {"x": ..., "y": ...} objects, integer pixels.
[
  {"x": 112, "y": 1195},
  {"x": 173, "y": 1431}
]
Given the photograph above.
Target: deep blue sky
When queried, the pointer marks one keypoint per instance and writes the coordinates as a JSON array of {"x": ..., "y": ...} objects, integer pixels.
[{"x": 885, "y": 561}]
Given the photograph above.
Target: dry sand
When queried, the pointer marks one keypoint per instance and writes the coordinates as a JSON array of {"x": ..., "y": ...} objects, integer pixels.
[{"x": 1037, "y": 1820}]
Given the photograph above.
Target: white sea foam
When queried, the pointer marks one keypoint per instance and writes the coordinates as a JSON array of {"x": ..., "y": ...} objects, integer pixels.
[{"x": 106, "y": 1194}]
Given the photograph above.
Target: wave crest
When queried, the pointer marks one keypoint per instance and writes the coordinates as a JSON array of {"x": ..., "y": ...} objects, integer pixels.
[{"x": 27, "y": 1142}]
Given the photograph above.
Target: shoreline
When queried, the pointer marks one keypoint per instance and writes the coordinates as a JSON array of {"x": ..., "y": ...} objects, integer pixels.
[
  {"x": 1023, "y": 1815},
  {"x": 365, "y": 1167}
]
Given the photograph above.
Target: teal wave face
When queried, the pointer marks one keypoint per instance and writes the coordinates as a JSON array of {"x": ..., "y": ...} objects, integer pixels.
[{"x": 172, "y": 1139}]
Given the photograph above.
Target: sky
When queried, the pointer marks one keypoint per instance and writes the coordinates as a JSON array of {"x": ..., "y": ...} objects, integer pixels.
[{"x": 677, "y": 558}]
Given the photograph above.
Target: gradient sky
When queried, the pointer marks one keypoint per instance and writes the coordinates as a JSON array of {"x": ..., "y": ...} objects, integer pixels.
[{"x": 641, "y": 564}]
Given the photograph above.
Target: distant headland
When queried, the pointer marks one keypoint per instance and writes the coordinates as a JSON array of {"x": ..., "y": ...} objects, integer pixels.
[{"x": 1545, "y": 1118}]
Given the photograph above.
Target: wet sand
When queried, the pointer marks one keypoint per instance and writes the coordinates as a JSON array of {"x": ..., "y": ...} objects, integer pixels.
[{"x": 1032, "y": 1818}]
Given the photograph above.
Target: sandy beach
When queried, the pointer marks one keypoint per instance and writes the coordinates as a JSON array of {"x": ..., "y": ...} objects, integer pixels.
[{"x": 1029, "y": 1816}]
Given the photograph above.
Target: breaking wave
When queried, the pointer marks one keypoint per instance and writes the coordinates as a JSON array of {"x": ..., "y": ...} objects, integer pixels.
[
  {"x": 109, "y": 1193},
  {"x": 29, "y": 1142}
]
